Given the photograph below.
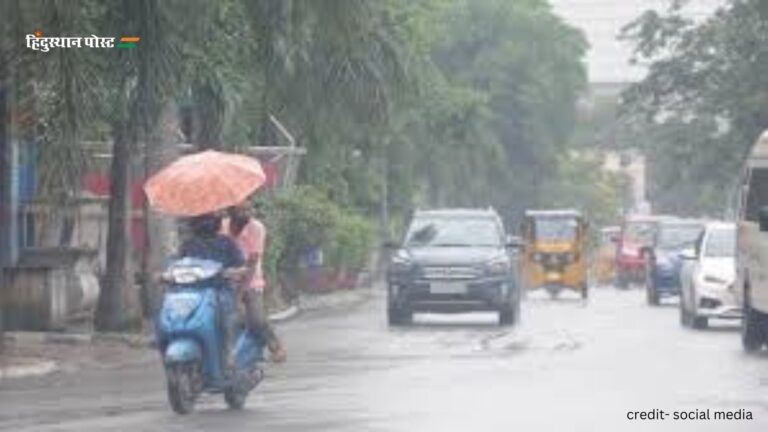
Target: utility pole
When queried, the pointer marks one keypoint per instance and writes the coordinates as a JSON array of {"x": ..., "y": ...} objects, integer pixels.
[{"x": 384, "y": 199}]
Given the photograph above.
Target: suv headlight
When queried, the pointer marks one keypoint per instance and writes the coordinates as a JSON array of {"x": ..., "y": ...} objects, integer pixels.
[
  {"x": 400, "y": 263},
  {"x": 714, "y": 280},
  {"x": 500, "y": 265}
]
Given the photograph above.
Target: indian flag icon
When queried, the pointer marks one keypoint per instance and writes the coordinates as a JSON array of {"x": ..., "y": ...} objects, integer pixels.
[{"x": 128, "y": 42}]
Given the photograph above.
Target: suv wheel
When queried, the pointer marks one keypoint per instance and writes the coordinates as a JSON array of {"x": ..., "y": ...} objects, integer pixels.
[
  {"x": 399, "y": 316},
  {"x": 751, "y": 329},
  {"x": 699, "y": 322},
  {"x": 507, "y": 315}
]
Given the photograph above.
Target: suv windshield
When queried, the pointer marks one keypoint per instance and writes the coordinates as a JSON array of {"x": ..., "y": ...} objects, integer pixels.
[
  {"x": 678, "y": 236},
  {"x": 447, "y": 232},
  {"x": 721, "y": 243},
  {"x": 555, "y": 229}
]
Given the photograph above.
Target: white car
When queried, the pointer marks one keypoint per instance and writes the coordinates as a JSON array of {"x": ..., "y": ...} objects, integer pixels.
[{"x": 708, "y": 277}]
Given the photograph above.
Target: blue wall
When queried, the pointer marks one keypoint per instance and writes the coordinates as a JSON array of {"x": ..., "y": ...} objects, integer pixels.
[{"x": 9, "y": 202}]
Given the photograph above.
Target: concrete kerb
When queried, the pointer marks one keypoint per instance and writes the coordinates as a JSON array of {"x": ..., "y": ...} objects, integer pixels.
[
  {"x": 130, "y": 339},
  {"x": 137, "y": 340},
  {"x": 34, "y": 367}
]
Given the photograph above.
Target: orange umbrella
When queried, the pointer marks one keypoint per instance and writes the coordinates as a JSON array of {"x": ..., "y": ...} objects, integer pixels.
[{"x": 204, "y": 182}]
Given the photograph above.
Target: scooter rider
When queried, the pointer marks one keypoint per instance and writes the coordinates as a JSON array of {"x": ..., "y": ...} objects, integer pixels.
[
  {"x": 206, "y": 242},
  {"x": 250, "y": 235}
]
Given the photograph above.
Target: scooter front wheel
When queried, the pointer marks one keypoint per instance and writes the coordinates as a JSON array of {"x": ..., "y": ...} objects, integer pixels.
[
  {"x": 235, "y": 398},
  {"x": 181, "y": 388}
]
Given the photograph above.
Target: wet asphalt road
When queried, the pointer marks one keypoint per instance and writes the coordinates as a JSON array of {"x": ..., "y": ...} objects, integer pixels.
[{"x": 568, "y": 366}]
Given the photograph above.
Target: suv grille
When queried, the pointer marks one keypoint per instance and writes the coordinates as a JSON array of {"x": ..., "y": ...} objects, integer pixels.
[{"x": 443, "y": 273}]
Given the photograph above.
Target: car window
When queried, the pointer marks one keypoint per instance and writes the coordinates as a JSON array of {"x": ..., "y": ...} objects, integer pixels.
[
  {"x": 555, "y": 229},
  {"x": 607, "y": 236},
  {"x": 445, "y": 232},
  {"x": 757, "y": 195},
  {"x": 678, "y": 236},
  {"x": 721, "y": 243}
]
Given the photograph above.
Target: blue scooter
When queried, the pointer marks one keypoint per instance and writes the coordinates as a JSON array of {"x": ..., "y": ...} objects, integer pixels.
[{"x": 197, "y": 304}]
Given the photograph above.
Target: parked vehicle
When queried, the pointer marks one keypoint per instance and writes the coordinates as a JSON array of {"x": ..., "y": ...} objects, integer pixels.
[
  {"x": 190, "y": 335},
  {"x": 707, "y": 277},
  {"x": 452, "y": 260},
  {"x": 604, "y": 264},
  {"x": 555, "y": 251},
  {"x": 752, "y": 247},
  {"x": 663, "y": 258},
  {"x": 637, "y": 233}
]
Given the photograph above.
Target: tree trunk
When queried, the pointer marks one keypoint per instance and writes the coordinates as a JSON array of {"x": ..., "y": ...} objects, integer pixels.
[
  {"x": 160, "y": 231},
  {"x": 116, "y": 309},
  {"x": 6, "y": 213}
]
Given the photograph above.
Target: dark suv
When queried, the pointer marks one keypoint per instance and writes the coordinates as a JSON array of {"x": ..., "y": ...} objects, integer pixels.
[{"x": 452, "y": 260}]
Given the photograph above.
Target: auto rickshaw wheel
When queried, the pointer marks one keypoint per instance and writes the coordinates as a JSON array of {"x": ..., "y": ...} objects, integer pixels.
[
  {"x": 622, "y": 281},
  {"x": 652, "y": 295}
]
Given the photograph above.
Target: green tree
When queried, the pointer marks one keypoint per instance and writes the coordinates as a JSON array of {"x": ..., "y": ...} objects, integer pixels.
[{"x": 704, "y": 101}]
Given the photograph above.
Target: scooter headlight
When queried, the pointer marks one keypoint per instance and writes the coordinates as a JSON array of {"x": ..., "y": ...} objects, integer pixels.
[{"x": 179, "y": 306}]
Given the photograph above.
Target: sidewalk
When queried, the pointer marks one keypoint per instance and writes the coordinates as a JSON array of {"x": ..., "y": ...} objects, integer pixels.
[
  {"x": 21, "y": 367},
  {"x": 40, "y": 353},
  {"x": 335, "y": 299}
]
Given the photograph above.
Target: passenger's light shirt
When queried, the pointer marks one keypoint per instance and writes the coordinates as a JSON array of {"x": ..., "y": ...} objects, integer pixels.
[{"x": 251, "y": 241}]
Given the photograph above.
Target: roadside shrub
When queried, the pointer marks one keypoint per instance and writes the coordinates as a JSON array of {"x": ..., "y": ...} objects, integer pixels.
[
  {"x": 350, "y": 242},
  {"x": 304, "y": 219}
]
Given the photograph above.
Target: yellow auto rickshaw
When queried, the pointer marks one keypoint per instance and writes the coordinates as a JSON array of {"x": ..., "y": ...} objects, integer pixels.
[
  {"x": 555, "y": 251},
  {"x": 604, "y": 265}
]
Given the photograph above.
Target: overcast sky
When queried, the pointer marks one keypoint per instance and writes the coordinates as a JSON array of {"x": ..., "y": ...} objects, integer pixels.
[{"x": 602, "y": 20}]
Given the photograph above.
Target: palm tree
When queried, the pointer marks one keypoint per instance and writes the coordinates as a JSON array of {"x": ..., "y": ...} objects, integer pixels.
[{"x": 147, "y": 78}]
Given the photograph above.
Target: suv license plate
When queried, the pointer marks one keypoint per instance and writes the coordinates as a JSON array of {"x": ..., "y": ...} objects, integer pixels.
[{"x": 447, "y": 288}]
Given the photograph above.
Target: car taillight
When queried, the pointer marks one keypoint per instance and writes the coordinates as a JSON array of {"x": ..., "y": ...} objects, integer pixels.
[{"x": 630, "y": 251}]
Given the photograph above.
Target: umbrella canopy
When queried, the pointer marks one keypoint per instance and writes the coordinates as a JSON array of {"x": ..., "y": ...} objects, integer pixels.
[{"x": 204, "y": 182}]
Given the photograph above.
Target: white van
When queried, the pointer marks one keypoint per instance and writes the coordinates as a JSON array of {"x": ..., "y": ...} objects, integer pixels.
[{"x": 752, "y": 247}]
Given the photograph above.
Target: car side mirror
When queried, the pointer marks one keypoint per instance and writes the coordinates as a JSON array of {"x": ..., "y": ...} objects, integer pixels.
[
  {"x": 391, "y": 245},
  {"x": 688, "y": 254},
  {"x": 763, "y": 219}
]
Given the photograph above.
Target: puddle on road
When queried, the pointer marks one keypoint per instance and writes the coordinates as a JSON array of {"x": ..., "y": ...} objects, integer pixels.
[{"x": 519, "y": 342}]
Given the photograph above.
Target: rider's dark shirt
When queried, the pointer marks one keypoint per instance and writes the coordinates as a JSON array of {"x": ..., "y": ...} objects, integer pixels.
[{"x": 221, "y": 249}]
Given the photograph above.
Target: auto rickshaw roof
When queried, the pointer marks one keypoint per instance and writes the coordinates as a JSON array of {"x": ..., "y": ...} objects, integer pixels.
[
  {"x": 457, "y": 212},
  {"x": 760, "y": 149},
  {"x": 648, "y": 218}
]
